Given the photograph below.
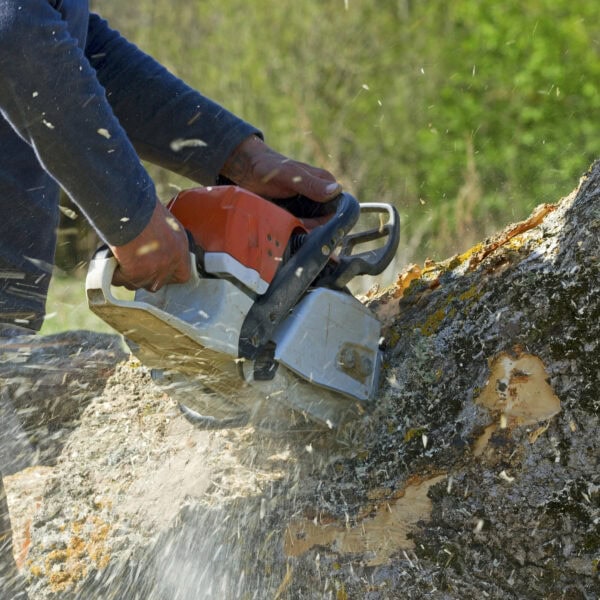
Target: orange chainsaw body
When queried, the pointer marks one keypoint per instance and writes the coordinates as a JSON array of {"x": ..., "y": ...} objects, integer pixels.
[{"x": 239, "y": 223}]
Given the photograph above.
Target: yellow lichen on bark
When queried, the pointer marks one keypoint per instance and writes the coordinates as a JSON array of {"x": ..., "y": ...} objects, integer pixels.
[{"x": 64, "y": 568}]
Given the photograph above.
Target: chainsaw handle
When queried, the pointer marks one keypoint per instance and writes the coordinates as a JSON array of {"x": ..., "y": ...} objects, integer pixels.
[
  {"x": 103, "y": 252},
  {"x": 98, "y": 282},
  {"x": 368, "y": 262},
  {"x": 294, "y": 277}
]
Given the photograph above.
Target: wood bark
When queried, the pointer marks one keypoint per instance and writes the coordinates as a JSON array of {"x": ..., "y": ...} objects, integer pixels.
[{"x": 476, "y": 476}]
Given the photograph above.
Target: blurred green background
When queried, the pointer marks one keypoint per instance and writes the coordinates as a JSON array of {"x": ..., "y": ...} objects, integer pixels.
[{"x": 464, "y": 114}]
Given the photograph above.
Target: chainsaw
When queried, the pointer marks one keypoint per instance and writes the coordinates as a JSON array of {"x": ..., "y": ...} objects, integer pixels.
[{"x": 266, "y": 321}]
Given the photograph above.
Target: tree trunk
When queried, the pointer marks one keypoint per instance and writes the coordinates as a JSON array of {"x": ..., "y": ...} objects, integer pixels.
[{"x": 476, "y": 476}]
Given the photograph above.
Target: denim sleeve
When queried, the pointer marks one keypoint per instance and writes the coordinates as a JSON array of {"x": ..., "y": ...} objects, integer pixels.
[
  {"x": 50, "y": 95},
  {"x": 169, "y": 123}
]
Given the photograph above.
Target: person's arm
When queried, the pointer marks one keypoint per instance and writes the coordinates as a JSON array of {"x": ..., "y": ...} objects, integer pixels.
[
  {"x": 175, "y": 126},
  {"x": 169, "y": 123},
  {"x": 51, "y": 96}
]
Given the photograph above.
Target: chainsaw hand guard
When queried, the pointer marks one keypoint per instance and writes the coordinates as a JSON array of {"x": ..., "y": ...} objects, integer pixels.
[
  {"x": 368, "y": 262},
  {"x": 295, "y": 277}
]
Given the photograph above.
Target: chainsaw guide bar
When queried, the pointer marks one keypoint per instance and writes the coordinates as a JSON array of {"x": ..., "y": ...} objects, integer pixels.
[{"x": 265, "y": 329}]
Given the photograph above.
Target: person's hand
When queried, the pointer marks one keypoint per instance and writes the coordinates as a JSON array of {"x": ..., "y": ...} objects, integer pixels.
[
  {"x": 157, "y": 256},
  {"x": 256, "y": 167}
]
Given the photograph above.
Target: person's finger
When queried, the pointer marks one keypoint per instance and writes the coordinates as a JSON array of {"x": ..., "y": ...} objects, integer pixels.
[
  {"x": 182, "y": 271},
  {"x": 120, "y": 280},
  {"x": 316, "y": 184}
]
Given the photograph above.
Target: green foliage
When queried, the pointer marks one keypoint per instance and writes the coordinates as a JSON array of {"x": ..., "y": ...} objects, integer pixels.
[{"x": 466, "y": 114}]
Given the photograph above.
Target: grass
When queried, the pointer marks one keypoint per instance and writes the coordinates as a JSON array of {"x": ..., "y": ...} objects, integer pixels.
[{"x": 67, "y": 309}]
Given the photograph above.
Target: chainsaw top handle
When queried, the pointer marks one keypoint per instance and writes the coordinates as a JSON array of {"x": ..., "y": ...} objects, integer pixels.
[
  {"x": 295, "y": 276},
  {"x": 368, "y": 262}
]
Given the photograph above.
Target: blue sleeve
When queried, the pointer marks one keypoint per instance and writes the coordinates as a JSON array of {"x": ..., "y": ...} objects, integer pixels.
[
  {"x": 64, "y": 102},
  {"x": 169, "y": 123},
  {"x": 51, "y": 96}
]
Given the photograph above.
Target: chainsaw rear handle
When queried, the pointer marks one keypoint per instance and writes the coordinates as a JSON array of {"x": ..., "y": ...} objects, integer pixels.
[
  {"x": 98, "y": 283},
  {"x": 295, "y": 276},
  {"x": 368, "y": 262},
  {"x": 105, "y": 257}
]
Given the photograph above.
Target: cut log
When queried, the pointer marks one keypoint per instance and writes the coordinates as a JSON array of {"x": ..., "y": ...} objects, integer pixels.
[{"x": 477, "y": 475}]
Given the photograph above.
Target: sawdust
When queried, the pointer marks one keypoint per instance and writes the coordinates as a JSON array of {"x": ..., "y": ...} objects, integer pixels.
[
  {"x": 157, "y": 492},
  {"x": 24, "y": 491},
  {"x": 127, "y": 472},
  {"x": 118, "y": 455}
]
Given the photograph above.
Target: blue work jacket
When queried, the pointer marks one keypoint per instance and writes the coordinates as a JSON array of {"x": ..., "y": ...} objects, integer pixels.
[{"x": 80, "y": 105}]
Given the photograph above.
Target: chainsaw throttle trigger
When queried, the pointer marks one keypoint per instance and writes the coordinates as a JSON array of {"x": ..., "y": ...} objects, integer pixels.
[
  {"x": 367, "y": 262},
  {"x": 295, "y": 276},
  {"x": 197, "y": 251}
]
